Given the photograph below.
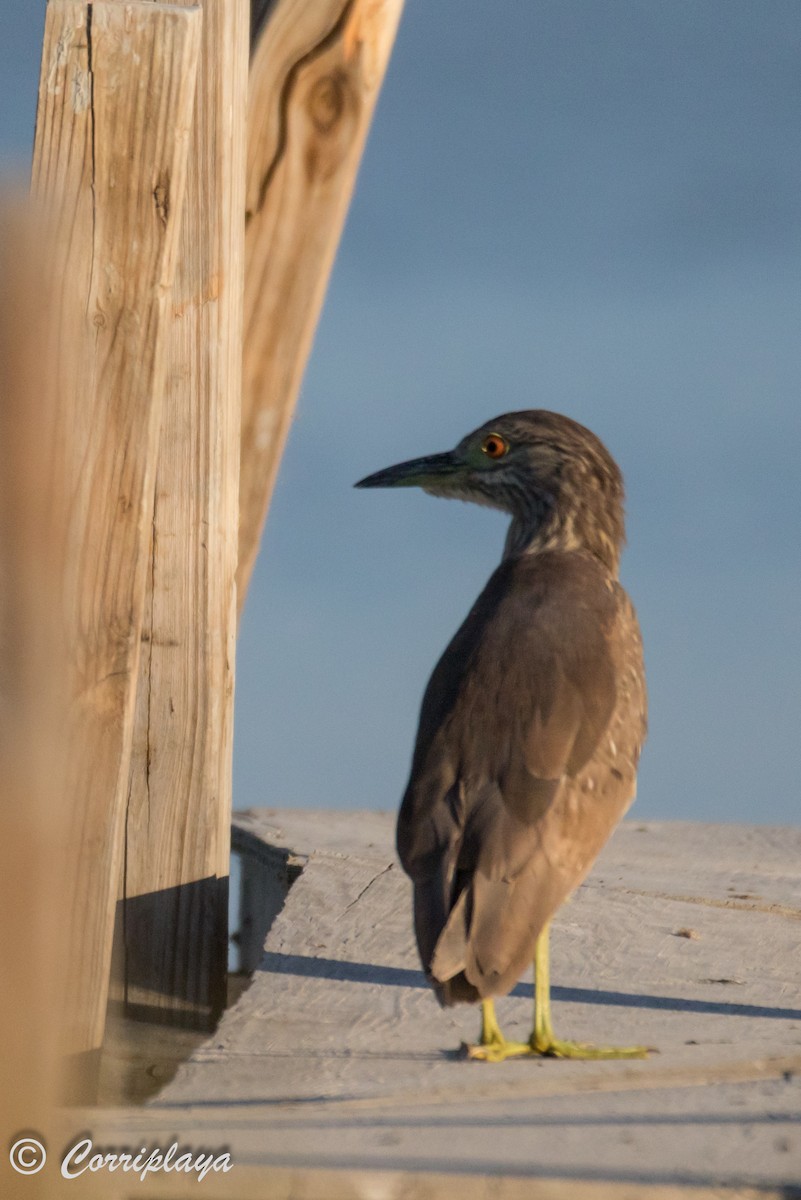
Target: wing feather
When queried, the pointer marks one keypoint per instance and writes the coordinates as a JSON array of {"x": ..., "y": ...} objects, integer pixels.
[{"x": 515, "y": 711}]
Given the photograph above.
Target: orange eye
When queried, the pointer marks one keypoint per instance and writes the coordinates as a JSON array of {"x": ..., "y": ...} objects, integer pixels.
[{"x": 494, "y": 446}]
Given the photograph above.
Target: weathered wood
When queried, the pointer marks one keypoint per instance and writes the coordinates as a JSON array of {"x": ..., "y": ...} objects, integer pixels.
[
  {"x": 31, "y": 819},
  {"x": 115, "y": 107},
  {"x": 177, "y": 834},
  {"x": 338, "y": 1055},
  {"x": 265, "y": 875},
  {"x": 315, "y": 76},
  {"x": 246, "y": 1182}
]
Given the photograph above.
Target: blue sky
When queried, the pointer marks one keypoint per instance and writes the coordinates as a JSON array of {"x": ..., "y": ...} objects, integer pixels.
[{"x": 580, "y": 205}]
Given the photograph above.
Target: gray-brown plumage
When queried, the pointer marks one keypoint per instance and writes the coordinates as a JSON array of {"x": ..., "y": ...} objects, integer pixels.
[{"x": 532, "y": 722}]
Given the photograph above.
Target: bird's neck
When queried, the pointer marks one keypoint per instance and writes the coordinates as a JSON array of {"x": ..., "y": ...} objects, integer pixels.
[{"x": 543, "y": 525}]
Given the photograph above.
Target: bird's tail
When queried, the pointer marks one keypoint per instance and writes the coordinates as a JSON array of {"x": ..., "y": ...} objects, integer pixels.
[{"x": 488, "y": 939}]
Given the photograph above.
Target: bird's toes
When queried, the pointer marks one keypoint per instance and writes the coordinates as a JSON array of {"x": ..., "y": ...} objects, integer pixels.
[
  {"x": 557, "y": 1048},
  {"x": 495, "y": 1051}
]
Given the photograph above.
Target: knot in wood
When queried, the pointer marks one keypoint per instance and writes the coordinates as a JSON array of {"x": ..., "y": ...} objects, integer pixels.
[
  {"x": 161, "y": 198},
  {"x": 328, "y": 100}
]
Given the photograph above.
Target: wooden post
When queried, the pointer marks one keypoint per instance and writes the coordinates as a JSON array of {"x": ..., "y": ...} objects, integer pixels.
[
  {"x": 315, "y": 76},
  {"x": 177, "y": 834},
  {"x": 31, "y": 819},
  {"x": 115, "y": 107}
]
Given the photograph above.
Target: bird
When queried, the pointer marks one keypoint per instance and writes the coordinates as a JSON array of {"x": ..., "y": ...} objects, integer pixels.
[{"x": 531, "y": 725}]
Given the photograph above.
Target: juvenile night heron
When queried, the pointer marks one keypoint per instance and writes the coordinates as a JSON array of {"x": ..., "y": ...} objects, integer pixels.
[{"x": 531, "y": 724}]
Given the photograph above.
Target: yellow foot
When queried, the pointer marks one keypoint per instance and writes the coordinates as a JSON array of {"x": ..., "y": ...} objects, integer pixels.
[
  {"x": 553, "y": 1047},
  {"x": 493, "y": 1046},
  {"x": 498, "y": 1050}
]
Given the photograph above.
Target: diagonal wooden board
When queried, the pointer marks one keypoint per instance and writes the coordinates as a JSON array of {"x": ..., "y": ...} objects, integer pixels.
[{"x": 338, "y": 1056}]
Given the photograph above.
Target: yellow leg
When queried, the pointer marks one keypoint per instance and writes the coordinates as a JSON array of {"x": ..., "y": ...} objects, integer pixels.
[
  {"x": 490, "y": 1029},
  {"x": 494, "y": 1047},
  {"x": 543, "y": 1040}
]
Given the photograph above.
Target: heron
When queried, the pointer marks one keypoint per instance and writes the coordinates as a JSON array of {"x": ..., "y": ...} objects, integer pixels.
[{"x": 532, "y": 722}]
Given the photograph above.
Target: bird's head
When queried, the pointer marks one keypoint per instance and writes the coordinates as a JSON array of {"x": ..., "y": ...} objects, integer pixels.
[{"x": 554, "y": 477}]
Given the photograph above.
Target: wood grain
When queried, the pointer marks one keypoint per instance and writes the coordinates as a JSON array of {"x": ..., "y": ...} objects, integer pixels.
[
  {"x": 177, "y": 834},
  {"x": 337, "y": 1055},
  {"x": 114, "y": 113},
  {"x": 315, "y": 76}
]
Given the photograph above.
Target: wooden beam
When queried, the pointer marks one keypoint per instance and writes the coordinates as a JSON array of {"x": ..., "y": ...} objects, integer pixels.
[
  {"x": 115, "y": 107},
  {"x": 315, "y": 76},
  {"x": 248, "y": 1182},
  {"x": 177, "y": 833},
  {"x": 31, "y": 816}
]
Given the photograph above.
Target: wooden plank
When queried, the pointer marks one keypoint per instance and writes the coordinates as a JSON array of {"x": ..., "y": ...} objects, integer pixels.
[
  {"x": 115, "y": 106},
  {"x": 315, "y": 76},
  {"x": 338, "y": 1055},
  {"x": 177, "y": 834},
  {"x": 255, "y": 1183},
  {"x": 31, "y": 818}
]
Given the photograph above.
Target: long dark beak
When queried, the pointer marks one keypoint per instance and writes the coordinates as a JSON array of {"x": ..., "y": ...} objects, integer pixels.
[{"x": 418, "y": 472}]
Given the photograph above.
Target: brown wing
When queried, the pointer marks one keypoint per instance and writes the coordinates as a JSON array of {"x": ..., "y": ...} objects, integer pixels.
[{"x": 510, "y": 796}]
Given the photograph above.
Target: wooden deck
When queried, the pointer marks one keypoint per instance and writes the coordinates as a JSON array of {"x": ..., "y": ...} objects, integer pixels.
[{"x": 337, "y": 1058}]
